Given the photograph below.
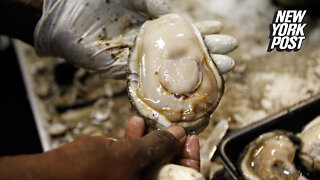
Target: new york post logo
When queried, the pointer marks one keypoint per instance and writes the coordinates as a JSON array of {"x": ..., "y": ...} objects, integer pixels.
[{"x": 286, "y": 30}]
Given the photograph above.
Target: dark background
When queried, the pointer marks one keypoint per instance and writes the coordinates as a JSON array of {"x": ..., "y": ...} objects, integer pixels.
[{"x": 18, "y": 132}]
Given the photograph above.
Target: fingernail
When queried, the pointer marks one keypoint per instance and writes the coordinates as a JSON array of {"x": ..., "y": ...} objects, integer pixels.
[
  {"x": 136, "y": 121},
  {"x": 137, "y": 118},
  {"x": 192, "y": 142},
  {"x": 177, "y": 131}
]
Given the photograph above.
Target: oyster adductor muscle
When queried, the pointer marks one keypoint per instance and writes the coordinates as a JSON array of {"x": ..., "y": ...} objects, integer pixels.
[{"x": 172, "y": 79}]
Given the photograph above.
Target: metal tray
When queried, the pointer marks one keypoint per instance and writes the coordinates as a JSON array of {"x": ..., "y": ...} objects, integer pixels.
[
  {"x": 36, "y": 105},
  {"x": 291, "y": 119}
]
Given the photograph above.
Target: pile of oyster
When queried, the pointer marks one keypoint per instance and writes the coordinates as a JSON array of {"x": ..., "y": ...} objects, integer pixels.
[
  {"x": 74, "y": 102},
  {"x": 283, "y": 155}
]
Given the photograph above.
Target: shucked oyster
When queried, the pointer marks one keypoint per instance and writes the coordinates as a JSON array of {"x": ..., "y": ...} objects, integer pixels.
[
  {"x": 310, "y": 145},
  {"x": 270, "y": 156},
  {"x": 172, "y": 79}
]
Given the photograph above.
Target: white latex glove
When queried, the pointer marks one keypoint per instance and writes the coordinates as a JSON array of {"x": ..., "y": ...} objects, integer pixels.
[
  {"x": 218, "y": 44},
  {"x": 99, "y": 34}
]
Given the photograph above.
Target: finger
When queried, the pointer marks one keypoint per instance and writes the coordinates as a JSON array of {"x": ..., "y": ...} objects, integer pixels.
[
  {"x": 220, "y": 44},
  {"x": 135, "y": 128},
  {"x": 159, "y": 146},
  {"x": 190, "y": 155},
  {"x": 154, "y": 8},
  {"x": 224, "y": 63},
  {"x": 209, "y": 27}
]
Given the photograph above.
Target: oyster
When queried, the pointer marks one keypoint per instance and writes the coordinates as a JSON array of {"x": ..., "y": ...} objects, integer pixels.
[
  {"x": 310, "y": 145},
  {"x": 177, "y": 172},
  {"x": 270, "y": 156},
  {"x": 172, "y": 79}
]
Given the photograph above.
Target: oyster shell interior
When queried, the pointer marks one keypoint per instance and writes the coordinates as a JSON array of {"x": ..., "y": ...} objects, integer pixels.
[
  {"x": 171, "y": 77},
  {"x": 270, "y": 156},
  {"x": 310, "y": 145}
]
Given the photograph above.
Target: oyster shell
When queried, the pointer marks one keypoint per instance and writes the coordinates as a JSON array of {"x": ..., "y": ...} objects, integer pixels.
[
  {"x": 310, "y": 145},
  {"x": 171, "y": 77},
  {"x": 270, "y": 156},
  {"x": 177, "y": 172}
]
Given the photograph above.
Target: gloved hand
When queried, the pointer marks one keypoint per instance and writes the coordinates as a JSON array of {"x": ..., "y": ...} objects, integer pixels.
[{"x": 99, "y": 34}]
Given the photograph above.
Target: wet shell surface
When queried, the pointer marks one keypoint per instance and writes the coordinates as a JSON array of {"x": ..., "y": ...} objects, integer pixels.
[
  {"x": 270, "y": 156},
  {"x": 171, "y": 77},
  {"x": 310, "y": 146}
]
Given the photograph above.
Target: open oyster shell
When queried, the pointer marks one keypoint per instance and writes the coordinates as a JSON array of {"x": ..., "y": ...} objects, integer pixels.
[
  {"x": 270, "y": 156},
  {"x": 310, "y": 145},
  {"x": 172, "y": 79}
]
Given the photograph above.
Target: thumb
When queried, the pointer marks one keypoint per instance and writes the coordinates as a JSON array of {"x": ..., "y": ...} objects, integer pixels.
[{"x": 159, "y": 147}]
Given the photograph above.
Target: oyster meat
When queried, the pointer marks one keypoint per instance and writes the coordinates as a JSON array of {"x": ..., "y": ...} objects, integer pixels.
[
  {"x": 172, "y": 79},
  {"x": 270, "y": 156},
  {"x": 310, "y": 145}
]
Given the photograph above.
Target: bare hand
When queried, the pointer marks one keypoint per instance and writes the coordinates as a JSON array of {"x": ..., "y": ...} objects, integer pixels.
[
  {"x": 135, "y": 157},
  {"x": 189, "y": 155}
]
